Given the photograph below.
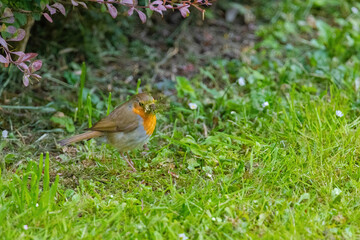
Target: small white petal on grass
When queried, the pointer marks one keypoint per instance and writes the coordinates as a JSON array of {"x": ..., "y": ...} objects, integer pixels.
[
  {"x": 339, "y": 113},
  {"x": 232, "y": 112},
  {"x": 111, "y": 196},
  {"x": 261, "y": 219},
  {"x": 335, "y": 192},
  {"x": 5, "y": 134},
  {"x": 357, "y": 83},
  {"x": 193, "y": 106},
  {"x": 210, "y": 176},
  {"x": 265, "y": 104},
  {"x": 241, "y": 81},
  {"x": 25, "y": 227},
  {"x": 214, "y": 219},
  {"x": 355, "y": 10},
  {"x": 182, "y": 236},
  {"x": 36, "y": 205}
]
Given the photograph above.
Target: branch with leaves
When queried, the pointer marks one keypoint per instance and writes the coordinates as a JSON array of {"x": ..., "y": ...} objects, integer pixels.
[
  {"x": 23, "y": 61},
  {"x": 26, "y": 62}
]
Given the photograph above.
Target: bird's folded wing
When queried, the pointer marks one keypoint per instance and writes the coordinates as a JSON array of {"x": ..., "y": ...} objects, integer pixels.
[{"x": 116, "y": 123}]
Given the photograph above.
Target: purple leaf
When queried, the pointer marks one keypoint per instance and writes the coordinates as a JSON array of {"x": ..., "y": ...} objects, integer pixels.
[
  {"x": 60, "y": 7},
  {"x": 36, "y": 65},
  {"x": 26, "y": 80},
  {"x": 184, "y": 11},
  {"x": 51, "y": 9},
  {"x": 18, "y": 53},
  {"x": 3, "y": 43},
  {"x": 129, "y": 2},
  {"x": 74, "y": 3},
  {"x": 20, "y": 34},
  {"x": 157, "y": 6},
  {"x": 20, "y": 58},
  {"x": 29, "y": 56},
  {"x": 141, "y": 15},
  {"x": 8, "y": 58},
  {"x": 112, "y": 10},
  {"x": 3, "y": 59},
  {"x": 35, "y": 75},
  {"x": 157, "y": 2},
  {"x": 131, "y": 11},
  {"x": 23, "y": 66},
  {"x": 8, "y": 20},
  {"x": 83, "y": 4},
  {"x": 8, "y": 16},
  {"x": 47, "y": 16},
  {"x": 7, "y": 13},
  {"x": 204, "y": 2},
  {"x": 11, "y": 29}
]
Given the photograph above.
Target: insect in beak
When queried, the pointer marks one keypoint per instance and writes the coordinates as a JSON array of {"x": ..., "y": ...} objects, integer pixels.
[{"x": 150, "y": 108}]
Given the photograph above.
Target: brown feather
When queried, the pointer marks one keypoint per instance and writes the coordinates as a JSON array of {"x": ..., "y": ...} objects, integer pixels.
[
  {"x": 80, "y": 137},
  {"x": 116, "y": 122}
]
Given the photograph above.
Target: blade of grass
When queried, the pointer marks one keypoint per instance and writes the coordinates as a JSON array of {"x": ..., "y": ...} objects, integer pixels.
[
  {"x": 138, "y": 86},
  {"x": 108, "y": 104},
  {"x": 46, "y": 178},
  {"x": 53, "y": 191},
  {"x": 89, "y": 108},
  {"x": 79, "y": 113}
]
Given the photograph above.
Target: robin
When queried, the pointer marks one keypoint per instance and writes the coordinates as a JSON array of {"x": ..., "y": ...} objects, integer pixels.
[{"x": 129, "y": 126}]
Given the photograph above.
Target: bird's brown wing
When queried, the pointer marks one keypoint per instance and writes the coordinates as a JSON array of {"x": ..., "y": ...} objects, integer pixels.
[{"x": 122, "y": 119}]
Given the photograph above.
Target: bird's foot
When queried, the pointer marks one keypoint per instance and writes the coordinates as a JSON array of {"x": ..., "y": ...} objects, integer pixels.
[{"x": 131, "y": 164}]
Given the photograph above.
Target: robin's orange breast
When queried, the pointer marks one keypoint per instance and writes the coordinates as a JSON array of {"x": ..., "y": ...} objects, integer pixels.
[{"x": 149, "y": 120}]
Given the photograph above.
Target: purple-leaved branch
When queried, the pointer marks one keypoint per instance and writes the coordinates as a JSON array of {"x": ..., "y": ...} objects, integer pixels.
[
  {"x": 26, "y": 62},
  {"x": 23, "y": 61}
]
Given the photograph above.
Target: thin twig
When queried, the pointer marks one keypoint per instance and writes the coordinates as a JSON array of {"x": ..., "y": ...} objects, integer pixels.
[
  {"x": 205, "y": 130},
  {"x": 21, "y": 136},
  {"x": 42, "y": 137},
  {"x": 42, "y": 109}
]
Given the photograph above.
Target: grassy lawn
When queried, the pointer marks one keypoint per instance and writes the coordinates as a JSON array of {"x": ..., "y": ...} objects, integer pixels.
[{"x": 271, "y": 151}]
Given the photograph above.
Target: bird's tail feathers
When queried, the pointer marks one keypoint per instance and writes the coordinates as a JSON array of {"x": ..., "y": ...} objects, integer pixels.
[{"x": 80, "y": 137}]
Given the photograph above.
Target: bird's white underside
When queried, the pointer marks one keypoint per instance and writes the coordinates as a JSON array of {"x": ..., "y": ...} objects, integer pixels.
[{"x": 128, "y": 141}]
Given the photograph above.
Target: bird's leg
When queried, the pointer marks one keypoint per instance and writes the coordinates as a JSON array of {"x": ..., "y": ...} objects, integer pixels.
[
  {"x": 146, "y": 148},
  {"x": 128, "y": 156},
  {"x": 128, "y": 160}
]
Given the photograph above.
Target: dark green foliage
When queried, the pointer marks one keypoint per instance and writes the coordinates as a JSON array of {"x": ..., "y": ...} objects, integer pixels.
[{"x": 29, "y": 5}]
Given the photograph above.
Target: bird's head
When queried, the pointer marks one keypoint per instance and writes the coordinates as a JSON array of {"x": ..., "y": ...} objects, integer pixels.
[{"x": 144, "y": 102}]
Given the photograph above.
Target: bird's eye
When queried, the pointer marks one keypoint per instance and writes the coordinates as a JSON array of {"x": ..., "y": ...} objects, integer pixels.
[{"x": 141, "y": 104}]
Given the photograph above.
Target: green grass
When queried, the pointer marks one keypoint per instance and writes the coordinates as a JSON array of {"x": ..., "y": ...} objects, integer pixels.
[{"x": 230, "y": 169}]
